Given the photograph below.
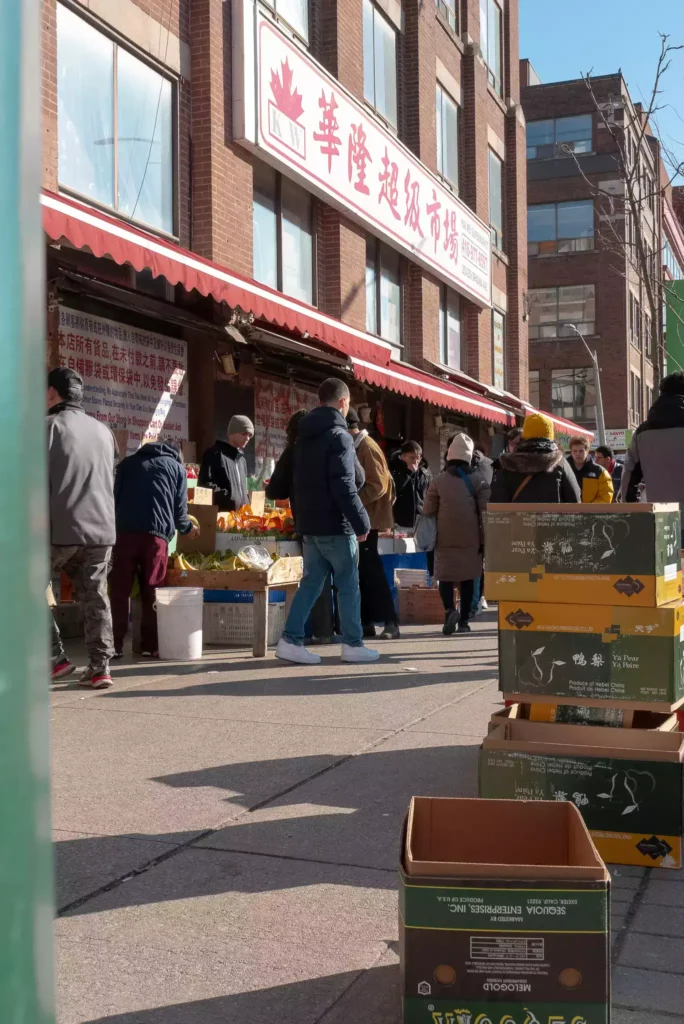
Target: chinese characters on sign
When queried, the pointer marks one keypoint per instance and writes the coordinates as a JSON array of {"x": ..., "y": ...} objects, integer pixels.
[
  {"x": 133, "y": 380},
  {"x": 274, "y": 403},
  {"x": 310, "y": 125}
]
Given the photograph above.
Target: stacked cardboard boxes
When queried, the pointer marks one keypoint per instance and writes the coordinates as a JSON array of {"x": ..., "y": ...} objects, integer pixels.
[{"x": 591, "y": 649}]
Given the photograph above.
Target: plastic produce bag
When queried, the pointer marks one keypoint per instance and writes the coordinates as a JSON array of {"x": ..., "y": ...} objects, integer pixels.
[
  {"x": 425, "y": 533},
  {"x": 255, "y": 556}
]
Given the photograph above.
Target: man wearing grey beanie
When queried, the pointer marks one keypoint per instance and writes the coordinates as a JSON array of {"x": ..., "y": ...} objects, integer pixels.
[{"x": 223, "y": 466}]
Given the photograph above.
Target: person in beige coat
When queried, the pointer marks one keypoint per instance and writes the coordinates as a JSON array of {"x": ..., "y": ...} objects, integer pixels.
[
  {"x": 377, "y": 496},
  {"x": 458, "y": 497}
]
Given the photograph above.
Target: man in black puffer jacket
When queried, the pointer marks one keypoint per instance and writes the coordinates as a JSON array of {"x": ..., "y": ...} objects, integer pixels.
[
  {"x": 331, "y": 521},
  {"x": 656, "y": 453},
  {"x": 537, "y": 470},
  {"x": 151, "y": 502}
]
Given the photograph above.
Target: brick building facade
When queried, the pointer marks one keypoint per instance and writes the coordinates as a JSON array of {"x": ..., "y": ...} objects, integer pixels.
[
  {"x": 583, "y": 267},
  {"x": 439, "y": 80}
]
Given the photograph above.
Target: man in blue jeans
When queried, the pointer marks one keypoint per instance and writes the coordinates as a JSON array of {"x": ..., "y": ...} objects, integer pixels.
[{"x": 331, "y": 521}]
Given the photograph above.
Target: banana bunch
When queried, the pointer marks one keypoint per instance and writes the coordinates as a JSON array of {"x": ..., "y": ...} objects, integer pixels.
[{"x": 181, "y": 563}]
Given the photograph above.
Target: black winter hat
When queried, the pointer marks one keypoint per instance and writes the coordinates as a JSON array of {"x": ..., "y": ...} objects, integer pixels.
[{"x": 353, "y": 418}]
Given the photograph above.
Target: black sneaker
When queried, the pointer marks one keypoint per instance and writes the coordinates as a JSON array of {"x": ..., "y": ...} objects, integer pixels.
[
  {"x": 464, "y": 627},
  {"x": 118, "y": 654},
  {"x": 391, "y": 631},
  {"x": 450, "y": 620},
  {"x": 368, "y": 631}
]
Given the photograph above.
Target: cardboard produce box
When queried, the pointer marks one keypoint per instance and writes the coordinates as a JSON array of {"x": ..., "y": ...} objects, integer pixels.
[
  {"x": 625, "y": 555},
  {"x": 576, "y": 714},
  {"x": 504, "y": 912},
  {"x": 592, "y": 651},
  {"x": 627, "y": 783},
  {"x": 420, "y": 606},
  {"x": 205, "y": 543}
]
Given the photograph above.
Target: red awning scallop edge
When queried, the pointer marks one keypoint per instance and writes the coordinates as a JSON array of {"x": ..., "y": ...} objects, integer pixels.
[{"x": 87, "y": 228}]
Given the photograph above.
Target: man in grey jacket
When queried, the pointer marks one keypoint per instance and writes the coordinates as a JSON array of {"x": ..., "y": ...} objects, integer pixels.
[{"x": 81, "y": 454}]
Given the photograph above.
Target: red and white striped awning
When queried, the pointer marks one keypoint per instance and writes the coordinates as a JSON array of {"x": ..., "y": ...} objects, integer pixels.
[
  {"x": 87, "y": 228},
  {"x": 416, "y": 384}
]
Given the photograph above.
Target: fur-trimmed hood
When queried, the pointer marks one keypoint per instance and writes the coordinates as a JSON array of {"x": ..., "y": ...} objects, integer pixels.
[{"x": 531, "y": 461}]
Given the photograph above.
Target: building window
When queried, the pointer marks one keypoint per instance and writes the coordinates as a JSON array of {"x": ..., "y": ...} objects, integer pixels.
[
  {"x": 635, "y": 409},
  {"x": 560, "y": 227},
  {"x": 553, "y": 309},
  {"x": 383, "y": 292},
  {"x": 491, "y": 35},
  {"x": 448, "y": 10},
  {"x": 496, "y": 199},
  {"x": 379, "y": 62},
  {"x": 634, "y": 322},
  {"x": 498, "y": 350},
  {"x": 649, "y": 399},
  {"x": 559, "y": 136},
  {"x": 294, "y": 13},
  {"x": 671, "y": 263},
  {"x": 282, "y": 234},
  {"x": 115, "y": 125},
  {"x": 447, "y": 136},
  {"x": 572, "y": 394},
  {"x": 533, "y": 387},
  {"x": 648, "y": 335},
  {"x": 450, "y": 328}
]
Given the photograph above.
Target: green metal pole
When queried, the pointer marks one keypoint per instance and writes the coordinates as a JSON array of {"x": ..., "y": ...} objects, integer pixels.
[{"x": 26, "y": 900}]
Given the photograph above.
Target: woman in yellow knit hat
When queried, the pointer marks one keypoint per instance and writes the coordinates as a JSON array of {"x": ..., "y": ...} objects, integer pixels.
[{"x": 537, "y": 470}]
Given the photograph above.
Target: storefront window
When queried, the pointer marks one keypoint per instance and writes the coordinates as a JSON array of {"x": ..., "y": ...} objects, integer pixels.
[
  {"x": 282, "y": 234},
  {"x": 383, "y": 292},
  {"x": 450, "y": 328},
  {"x": 115, "y": 125}
]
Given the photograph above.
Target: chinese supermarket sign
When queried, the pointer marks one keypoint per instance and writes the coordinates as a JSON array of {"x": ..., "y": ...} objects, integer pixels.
[
  {"x": 274, "y": 404},
  {"x": 309, "y": 125},
  {"x": 133, "y": 380}
]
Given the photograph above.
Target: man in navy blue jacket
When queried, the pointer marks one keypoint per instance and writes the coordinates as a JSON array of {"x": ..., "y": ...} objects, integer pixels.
[
  {"x": 151, "y": 503},
  {"x": 331, "y": 521}
]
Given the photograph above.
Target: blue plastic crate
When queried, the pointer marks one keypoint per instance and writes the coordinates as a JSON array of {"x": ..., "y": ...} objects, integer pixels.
[{"x": 240, "y": 597}]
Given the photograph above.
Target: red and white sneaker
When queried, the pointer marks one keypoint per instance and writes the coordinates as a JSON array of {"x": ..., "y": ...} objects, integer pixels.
[
  {"x": 95, "y": 680},
  {"x": 62, "y": 669}
]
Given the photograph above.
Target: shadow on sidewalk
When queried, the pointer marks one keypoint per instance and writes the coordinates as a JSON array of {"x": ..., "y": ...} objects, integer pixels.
[
  {"x": 342, "y": 823},
  {"x": 306, "y": 684},
  {"x": 372, "y": 995}
]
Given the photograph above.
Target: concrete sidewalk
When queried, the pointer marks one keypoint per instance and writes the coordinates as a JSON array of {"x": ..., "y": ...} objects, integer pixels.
[{"x": 227, "y": 837}]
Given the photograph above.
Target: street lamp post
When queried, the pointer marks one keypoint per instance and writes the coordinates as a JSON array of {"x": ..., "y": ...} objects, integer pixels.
[{"x": 600, "y": 421}]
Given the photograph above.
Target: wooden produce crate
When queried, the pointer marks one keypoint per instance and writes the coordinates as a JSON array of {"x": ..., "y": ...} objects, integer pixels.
[
  {"x": 420, "y": 606},
  {"x": 285, "y": 570}
]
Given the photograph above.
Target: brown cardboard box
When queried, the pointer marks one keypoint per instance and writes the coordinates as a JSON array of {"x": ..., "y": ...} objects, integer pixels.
[
  {"x": 200, "y": 496},
  {"x": 420, "y": 606},
  {"x": 627, "y": 783},
  {"x": 504, "y": 911},
  {"x": 658, "y": 721},
  {"x": 205, "y": 543}
]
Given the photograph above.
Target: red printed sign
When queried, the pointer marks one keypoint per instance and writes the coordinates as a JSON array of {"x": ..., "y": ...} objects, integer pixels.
[{"x": 274, "y": 404}]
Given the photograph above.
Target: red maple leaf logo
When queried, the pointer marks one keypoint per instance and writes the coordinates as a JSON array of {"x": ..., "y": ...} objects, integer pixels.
[{"x": 287, "y": 99}]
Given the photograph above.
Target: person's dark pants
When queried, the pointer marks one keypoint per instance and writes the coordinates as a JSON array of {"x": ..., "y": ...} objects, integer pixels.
[
  {"x": 377, "y": 604},
  {"x": 430, "y": 560},
  {"x": 87, "y": 568},
  {"x": 144, "y": 556},
  {"x": 466, "y": 590}
]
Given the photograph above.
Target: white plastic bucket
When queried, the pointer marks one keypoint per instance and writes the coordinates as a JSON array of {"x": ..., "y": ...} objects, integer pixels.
[{"x": 179, "y": 623}]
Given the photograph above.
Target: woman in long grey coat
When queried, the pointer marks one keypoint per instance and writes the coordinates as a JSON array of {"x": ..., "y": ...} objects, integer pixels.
[{"x": 458, "y": 497}]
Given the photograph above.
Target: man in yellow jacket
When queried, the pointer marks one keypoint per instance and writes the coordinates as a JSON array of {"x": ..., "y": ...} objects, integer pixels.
[
  {"x": 594, "y": 481},
  {"x": 377, "y": 497}
]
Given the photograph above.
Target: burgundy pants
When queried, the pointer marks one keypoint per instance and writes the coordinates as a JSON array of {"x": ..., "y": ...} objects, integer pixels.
[{"x": 144, "y": 556}]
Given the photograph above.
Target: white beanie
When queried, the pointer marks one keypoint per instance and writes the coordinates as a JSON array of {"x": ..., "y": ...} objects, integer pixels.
[{"x": 462, "y": 448}]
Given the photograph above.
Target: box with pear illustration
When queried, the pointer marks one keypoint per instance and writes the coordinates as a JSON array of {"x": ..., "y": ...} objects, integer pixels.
[
  {"x": 600, "y": 652},
  {"x": 619, "y": 555},
  {"x": 626, "y": 783}
]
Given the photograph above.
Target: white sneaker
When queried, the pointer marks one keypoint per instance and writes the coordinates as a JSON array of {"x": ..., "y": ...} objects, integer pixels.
[
  {"x": 483, "y": 606},
  {"x": 293, "y": 652},
  {"x": 359, "y": 653}
]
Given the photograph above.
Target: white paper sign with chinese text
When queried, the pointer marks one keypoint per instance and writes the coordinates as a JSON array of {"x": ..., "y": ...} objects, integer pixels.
[
  {"x": 133, "y": 379},
  {"x": 311, "y": 127}
]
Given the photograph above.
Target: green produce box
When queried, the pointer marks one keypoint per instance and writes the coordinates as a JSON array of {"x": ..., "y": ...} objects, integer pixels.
[
  {"x": 626, "y": 555},
  {"x": 595, "y": 652},
  {"x": 503, "y": 916},
  {"x": 627, "y": 783}
]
